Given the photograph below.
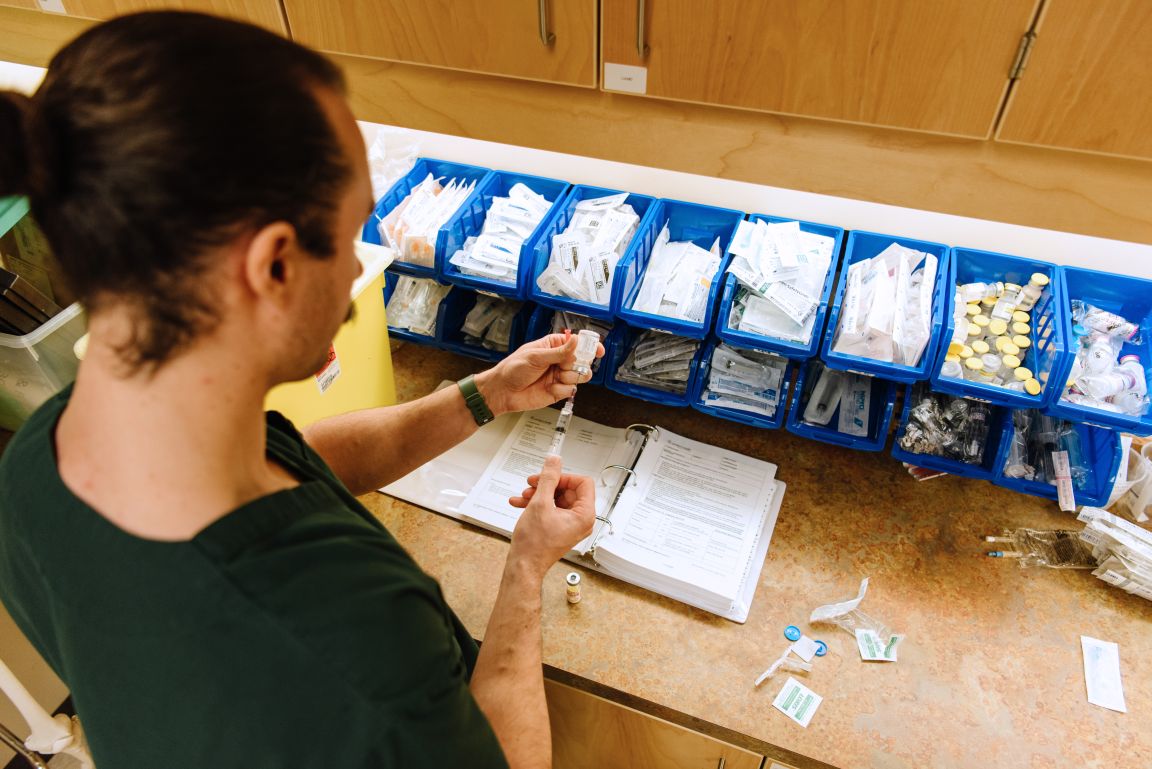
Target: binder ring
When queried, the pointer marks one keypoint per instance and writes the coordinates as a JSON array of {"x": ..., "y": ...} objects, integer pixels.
[
  {"x": 606, "y": 468},
  {"x": 607, "y": 522},
  {"x": 646, "y": 429}
]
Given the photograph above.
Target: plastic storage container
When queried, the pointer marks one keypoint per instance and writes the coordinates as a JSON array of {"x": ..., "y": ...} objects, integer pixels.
[
  {"x": 457, "y": 305},
  {"x": 364, "y": 377},
  {"x": 700, "y": 384},
  {"x": 986, "y": 470},
  {"x": 34, "y": 366},
  {"x": 540, "y": 326},
  {"x": 865, "y": 245},
  {"x": 390, "y": 280},
  {"x": 1125, "y": 296},
  {"x": 1047, "y": 333},
  {"x": 1102, "y": 453},
  {"x": 400, "y": 190},
  {"x": 469, "y": 221},
  {"x": 702, "y": 225},
  {"x": 556, "y": 223},
  {"x": 785, "y": 347},
  {"x": 883, "y": 400},
  {"x": 617, "y": 350}
]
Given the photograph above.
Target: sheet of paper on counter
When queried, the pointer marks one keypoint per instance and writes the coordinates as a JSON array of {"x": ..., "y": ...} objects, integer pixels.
[{"x": 1102, "y": 673}]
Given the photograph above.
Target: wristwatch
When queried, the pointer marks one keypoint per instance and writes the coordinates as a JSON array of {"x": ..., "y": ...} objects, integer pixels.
[{"x": 475, "y": 401}]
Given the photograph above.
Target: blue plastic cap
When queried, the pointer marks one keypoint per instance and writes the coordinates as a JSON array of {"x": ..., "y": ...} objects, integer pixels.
[
  {"x": 1079, "y": 330},
  {"x": 792, "y": 633},
  {"x": 821, "y": 648}
]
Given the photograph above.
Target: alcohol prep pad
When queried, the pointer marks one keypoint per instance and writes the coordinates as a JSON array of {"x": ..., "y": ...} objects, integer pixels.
[{"x": 797, "y": 701}]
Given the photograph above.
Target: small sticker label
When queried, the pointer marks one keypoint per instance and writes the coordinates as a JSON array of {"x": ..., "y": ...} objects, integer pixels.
[
  {"x": 797, "y": 701},
  {"x": 874, "y": 649},
  {"x": 327, "y": 375},
  {"x": 52, "y": 6},
  {"x": 805, "y": 648},
  {"x": 625, "y": 78}
]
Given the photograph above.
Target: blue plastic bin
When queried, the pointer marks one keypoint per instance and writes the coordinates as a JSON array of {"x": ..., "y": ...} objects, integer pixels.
[
  {"x": 787, "y": 348},
  {"x": 540, "y": 326},
  {"x": 457, "y": 305},
  {"x": 1102, "y": 453},
  {"x": 1125, "y": 296},
  {"x": 985, "y": 471},
  {"x": 469, "y": 221},
  {"x": 390, "y": 281},
  {"x": 702, "y": 225},
  {"x": 879, "y": 418},
  {"x": 617, "y": 351},
  {"x": 400, "y": 190},
  {"x": 700, "y": 384},
  {"x": 1048, "y": 334},
  {"x": 865, "y": 245},
  {"x": 556, "y": 223}
]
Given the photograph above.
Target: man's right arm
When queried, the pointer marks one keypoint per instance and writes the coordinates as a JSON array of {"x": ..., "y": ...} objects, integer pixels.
[{"x": 508, "y": 682}]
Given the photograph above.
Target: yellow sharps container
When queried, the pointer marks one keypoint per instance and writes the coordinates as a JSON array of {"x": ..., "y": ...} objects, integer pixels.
[{"x": 359, "y": 370}]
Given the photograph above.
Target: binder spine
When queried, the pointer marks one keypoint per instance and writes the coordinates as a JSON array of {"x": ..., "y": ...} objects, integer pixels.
[{"x": 628, "y": 474}]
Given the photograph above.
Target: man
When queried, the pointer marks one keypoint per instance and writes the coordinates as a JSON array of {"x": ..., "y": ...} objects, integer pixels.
[{"x": 201, "y": 576}]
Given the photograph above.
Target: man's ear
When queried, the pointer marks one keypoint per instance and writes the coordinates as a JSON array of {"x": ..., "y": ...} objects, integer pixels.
[{"x": 270, "y": 260}]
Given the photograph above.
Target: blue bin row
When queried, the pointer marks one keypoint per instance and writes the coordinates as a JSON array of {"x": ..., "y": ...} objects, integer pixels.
[{"x": 1050, "y": 356}]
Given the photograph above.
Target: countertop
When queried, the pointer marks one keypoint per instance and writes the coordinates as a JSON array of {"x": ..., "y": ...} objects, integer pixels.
[{"x": 990, "y": 674}]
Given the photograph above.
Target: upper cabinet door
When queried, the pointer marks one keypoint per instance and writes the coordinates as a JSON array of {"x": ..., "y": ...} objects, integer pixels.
[
  {"x": 1088, "y": 80},
  {"x": 553, "y": 40},
  {"x": 937, "y": 66},
  {"x": 266, "y": 13}
]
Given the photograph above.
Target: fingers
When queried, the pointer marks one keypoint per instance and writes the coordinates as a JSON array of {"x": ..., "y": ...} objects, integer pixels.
[
  {"x": 552, "y": 350},
  {"x": 549, "y": 477},
  {"x": 560, "y": 391}
]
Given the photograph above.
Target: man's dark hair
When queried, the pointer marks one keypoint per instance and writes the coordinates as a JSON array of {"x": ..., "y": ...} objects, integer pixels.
[{"x": 157, "y": 137}]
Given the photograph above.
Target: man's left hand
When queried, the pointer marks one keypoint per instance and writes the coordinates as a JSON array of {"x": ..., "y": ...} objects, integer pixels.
[{"x": 536, "y": 375}]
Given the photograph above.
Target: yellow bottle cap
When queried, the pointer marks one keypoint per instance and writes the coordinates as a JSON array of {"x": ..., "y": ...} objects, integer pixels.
[
  {"x": 1011, "y": 361},
  {"x": 972, "y": 309},
  {"x": 1022, "y": 341},
  {"x": 954, "y": 348},
  {"x": 1008, "y": 348},
  {"x": 981, "y": 320},
  {"x": 1011, "y": 288},
  {"x": 1021, "y": 317},
  {"x": 999, "y": 343},
  {"x": 1040, "y": 279},
  {"x": 975, "y": 331},
  {"x": 973, "y": 364},
  {"x": 952, "y": 358},
  {"x": 1021, "y": 328},
  {"x": 980, "y": 347},
  {"x": 988, "y": 301},
  {"x": 1024, "y": 374},
  {"x": 965, "y": 352},
  {"x": 997, "y": 327},
  {"x": 1032, "y": 387}
]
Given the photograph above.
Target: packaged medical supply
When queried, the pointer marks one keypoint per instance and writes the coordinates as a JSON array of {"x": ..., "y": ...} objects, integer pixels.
[
  {"x": 1054, "y": 549},
  {"x": 489, "y": 322},
  {"x": 745, "y": 380},
  {"x": 1123, "y": 550},
  {"x": 414, "y": 304},
  {"x": 781, "y": 270},
  {"x": 886, "y": 314},
  {"x": 1102, "y": 377},
  {"x": 825, "y": 396},
  {"x": 677, "y": 280},
  {"x": 659, "y": 361},
  {"x": 495, "y": 252},
  {"x": 944, "y": 426},
  {"x": 410, "y": 228},
  {"x": 1036, "y": 438},
  {"x": 584, "y": 257}
]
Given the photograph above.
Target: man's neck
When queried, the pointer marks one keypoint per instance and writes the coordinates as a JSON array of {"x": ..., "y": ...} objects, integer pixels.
[{"x": 164, "y": 455}]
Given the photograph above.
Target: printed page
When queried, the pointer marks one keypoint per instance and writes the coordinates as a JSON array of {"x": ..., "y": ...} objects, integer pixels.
[
  {"x": 695, "y": 516},
  {"x": 588, "y": 448}
]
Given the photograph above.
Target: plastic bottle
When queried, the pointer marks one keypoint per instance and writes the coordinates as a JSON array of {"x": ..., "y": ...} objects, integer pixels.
[
  {"x": 1099, "y": 357},
  {"x": 975, "y": 432},
  {"x": 992, "y": 365},
  {"x": 974, "y": 292},
  {"x": 1106, "y": 385},
  {"x": 952, "y": 368},
  {"x": 825, "y": 397},
  {"x": 1131, "y": 365},
  {"x": 1031, "y": 293},
  {"x": 1109, "y": 323}
]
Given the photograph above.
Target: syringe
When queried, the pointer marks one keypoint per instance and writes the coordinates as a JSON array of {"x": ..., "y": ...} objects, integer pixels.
[{"x": 586, "y": 343}]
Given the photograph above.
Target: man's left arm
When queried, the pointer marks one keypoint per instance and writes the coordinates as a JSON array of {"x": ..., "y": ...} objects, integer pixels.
[{"x": 371, "y": 448}]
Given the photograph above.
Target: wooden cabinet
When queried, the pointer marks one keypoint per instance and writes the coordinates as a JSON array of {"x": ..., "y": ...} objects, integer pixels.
[
  {"x": 1088, "y": 80},
  {"x": 499, "y": 37},
  {"x": 20, "y": 4},
  {"x": 266, "y": 13},
  {"x": 933, "y": 66},
  {"x": 589, "y": 732}
]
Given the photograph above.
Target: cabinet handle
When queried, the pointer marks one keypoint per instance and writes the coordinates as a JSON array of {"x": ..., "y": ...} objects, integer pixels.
[
  {"x": 641, "y": 46},
  {"x": 546, "y": 37},
  {"x": 721, "y": 764}
]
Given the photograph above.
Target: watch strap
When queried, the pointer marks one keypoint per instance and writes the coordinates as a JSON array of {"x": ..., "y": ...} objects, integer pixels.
[{"x": 475, "y": 401}]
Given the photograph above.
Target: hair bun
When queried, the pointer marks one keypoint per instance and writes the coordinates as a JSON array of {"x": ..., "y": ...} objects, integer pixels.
[{"x": 14, "y": 166}]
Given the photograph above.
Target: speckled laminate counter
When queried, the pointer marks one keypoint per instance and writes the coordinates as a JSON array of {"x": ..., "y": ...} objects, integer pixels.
[{"x": 990, "y": 673}]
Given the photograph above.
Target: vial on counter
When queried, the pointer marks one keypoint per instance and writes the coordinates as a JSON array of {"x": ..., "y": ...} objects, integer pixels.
[
  {"x": 952, "y": 367},
  {"x": 573, "y": 585},
  {"x": 586, "y": 343}
]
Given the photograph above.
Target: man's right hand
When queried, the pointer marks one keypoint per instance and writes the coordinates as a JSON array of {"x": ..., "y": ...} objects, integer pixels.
[{"x": 559, "y": 511}]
